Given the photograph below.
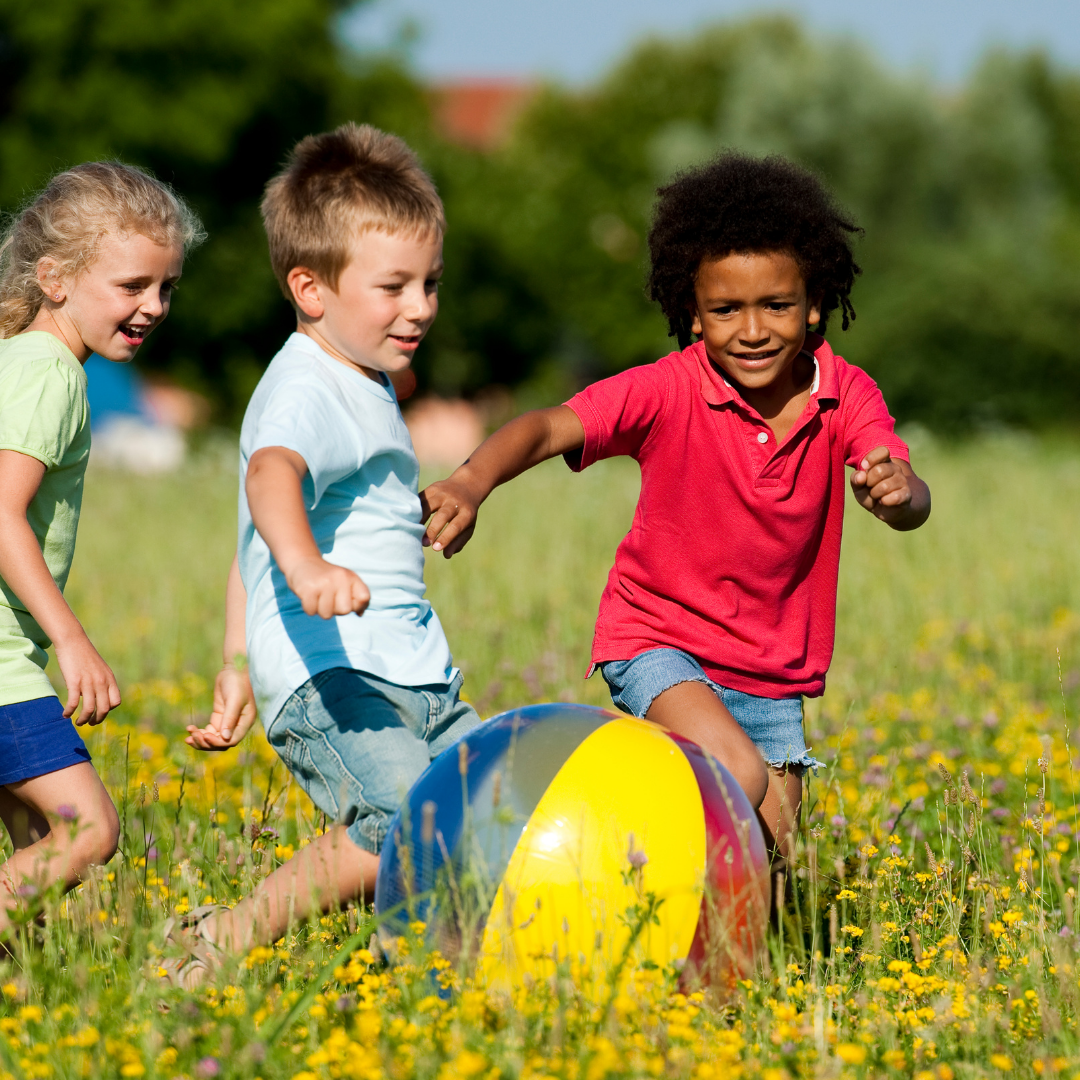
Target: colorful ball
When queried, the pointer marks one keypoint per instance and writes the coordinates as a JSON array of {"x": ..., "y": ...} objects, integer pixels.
[{"x": 570, "y": 834}]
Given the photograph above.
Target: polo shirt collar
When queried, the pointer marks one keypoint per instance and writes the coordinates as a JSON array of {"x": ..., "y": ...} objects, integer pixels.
[
  {"x": 718, "y": 391},
  {"x": 827, "y": 381}
]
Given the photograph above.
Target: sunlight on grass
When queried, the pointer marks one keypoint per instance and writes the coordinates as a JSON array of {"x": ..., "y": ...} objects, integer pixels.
[{"x": 930, "y": 929}]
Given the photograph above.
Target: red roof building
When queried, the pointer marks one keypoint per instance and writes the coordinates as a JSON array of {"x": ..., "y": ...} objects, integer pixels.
[{"x": 480, "y": 112}]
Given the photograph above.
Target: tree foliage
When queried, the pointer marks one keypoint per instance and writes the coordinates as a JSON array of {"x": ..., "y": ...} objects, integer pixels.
[
  {"x": 210, "y": 95},
  {"x": 970, "y": 300},
  {"x": 969, "y": 305}
]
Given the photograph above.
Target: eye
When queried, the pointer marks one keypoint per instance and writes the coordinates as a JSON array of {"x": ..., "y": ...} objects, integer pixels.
[
  {"x": 432, "y": 284},
  {"x": 393, "y": 289}
]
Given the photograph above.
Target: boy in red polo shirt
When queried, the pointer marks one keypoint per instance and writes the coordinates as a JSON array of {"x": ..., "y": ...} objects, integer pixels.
[{"x": 719, "y": 613}]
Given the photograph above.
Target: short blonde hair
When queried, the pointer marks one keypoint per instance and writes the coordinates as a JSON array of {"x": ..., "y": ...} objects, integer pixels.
[
  {"x": 337, "y": 186},
  {"x": 67, "y": 221}
]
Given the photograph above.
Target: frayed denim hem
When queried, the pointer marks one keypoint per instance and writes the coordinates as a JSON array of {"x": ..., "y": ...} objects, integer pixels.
[{"x": 805, "y": 760}]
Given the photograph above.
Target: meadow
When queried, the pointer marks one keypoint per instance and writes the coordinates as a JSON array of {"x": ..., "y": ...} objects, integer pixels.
[{"x": 931, "y": 929}]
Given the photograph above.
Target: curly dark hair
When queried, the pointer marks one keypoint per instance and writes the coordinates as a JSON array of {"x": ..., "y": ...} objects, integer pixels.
[{"x": 739, "y": 203}]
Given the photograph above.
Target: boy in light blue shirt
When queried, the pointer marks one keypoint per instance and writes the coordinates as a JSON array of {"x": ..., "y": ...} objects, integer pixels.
[
  {"x": 359, "y": 494},
  {"x": 346, "y": 660}
]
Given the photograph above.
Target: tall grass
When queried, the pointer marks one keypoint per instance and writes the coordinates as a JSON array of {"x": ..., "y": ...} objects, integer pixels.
[
  {"x": 519, "y": 603},
  {"x": 929, "y": 930}
]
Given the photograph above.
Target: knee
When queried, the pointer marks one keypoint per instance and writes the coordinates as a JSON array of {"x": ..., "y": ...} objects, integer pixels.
[
  {"x": 752, "y": 774},
  {"x": 108, "y": 838},
  {"x": 97, "y": 840}
]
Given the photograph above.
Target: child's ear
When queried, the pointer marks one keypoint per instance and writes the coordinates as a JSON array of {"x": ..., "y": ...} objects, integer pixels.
[
  {"x": 813, "y": 313},
  {"x": 695, "y": 321},
  {"x": 306, "y": 289},
  {"x": 48, "y": 278}
]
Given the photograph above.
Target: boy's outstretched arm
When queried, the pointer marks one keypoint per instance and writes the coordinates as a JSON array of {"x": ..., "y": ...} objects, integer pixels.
[
  {"x": 276, "y": 500},
  {"x": 234, "y": 700},
  {"x": 890, "y": 490},
  {"x": 274, "y": 489},
  {"x": 452, "y": 504}
]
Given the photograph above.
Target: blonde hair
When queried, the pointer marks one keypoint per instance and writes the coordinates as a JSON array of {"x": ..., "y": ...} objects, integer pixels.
[
  {"x": 67, "y": 220},
  {"x": 337, "y": 186}
]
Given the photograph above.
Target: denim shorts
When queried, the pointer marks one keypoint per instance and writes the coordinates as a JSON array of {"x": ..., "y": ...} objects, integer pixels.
[
  {"x": 775, "y": 725},
  {"x": 356, "y": 743},
  {"x": 37, "y": 738}
]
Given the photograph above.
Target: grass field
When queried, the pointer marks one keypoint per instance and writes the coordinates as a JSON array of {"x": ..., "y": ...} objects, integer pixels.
[{"x": 951, "y": 901}]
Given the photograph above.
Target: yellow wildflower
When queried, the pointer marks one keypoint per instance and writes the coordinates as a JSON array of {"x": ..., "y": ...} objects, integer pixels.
[{"x": 851, "y": 1053}]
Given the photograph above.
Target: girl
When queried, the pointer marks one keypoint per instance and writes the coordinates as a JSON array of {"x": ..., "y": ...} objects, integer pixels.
[
  {"x": 88, "y": 266},
  {"x": 718, "y": 615}
]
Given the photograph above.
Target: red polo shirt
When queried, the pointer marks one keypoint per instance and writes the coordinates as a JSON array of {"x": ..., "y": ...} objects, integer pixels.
[{"x": 735, "y": 547}]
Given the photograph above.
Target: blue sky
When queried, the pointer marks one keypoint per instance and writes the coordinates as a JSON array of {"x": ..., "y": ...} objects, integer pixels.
[{"x": 575, "y": 40}]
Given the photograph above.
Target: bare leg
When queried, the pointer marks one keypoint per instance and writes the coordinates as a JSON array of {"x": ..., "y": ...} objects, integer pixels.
[
  {"x": 24, "y": 826},
  {"x": 61, "y": 824},
  {"x": 330, "y": 870},
  {"x": 692, "y": 709},
  {"x": 779, "y": 813}
]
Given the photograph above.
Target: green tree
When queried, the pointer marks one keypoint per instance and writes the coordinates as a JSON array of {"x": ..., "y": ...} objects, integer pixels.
[
  {"x": 968, "y": 306},
  {"x": 210, "y": 95},
  {"x": 970, "y": 299}
]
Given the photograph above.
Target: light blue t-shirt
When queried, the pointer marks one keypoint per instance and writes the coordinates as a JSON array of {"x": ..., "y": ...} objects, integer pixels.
[{"x": 361, "y": 498}]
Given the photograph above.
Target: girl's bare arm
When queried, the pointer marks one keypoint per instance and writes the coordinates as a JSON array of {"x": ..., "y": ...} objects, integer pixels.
[{"x": 22, "y": 566}]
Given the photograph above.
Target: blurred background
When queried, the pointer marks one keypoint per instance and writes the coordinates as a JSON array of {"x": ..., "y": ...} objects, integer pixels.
[{"x": 950, "y": 129}]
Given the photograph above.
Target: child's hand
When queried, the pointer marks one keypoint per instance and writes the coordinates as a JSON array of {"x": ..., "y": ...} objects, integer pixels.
[
  {"x": 890, "y": 490},
  {"x": 326, "y": 589},
  {"x": 234, "y": 712},
  {"x": 452, "y": 508},
  {"x": 87, "y": 676},
  {"x": 452, "y": 504}
]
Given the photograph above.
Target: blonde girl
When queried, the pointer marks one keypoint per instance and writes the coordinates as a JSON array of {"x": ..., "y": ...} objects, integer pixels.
[{"x": 88, "y": 266}]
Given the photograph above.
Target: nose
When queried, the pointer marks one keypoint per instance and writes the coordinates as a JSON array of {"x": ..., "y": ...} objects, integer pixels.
[
  {"x": 420, "y": 305},
  {"x": 153, "y": 304},
  {"x": 753, "y": 332}
]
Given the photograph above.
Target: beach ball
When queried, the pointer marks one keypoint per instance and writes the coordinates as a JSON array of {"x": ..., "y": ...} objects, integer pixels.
[{"x": 569, "y": 835}]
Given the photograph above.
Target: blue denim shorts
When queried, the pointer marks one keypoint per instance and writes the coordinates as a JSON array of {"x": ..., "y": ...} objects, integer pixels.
[
  {"x": 37, "y": 738},
  {"x": 775, "y": 725},
  {"x": 356, "y": 743}
]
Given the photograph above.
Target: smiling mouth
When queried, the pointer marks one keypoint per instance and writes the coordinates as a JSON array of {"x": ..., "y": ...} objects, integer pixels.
[
  {"x": 406, "y": 339},
  {"x": 756, "y": 358},
  {"x": 134, "y": 335}
]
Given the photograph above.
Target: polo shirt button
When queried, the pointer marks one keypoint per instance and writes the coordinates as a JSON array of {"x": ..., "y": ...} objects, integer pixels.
[{"x": 763, "y": 437}]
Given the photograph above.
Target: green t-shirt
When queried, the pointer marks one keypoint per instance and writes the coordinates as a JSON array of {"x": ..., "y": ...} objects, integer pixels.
[{"x": 44, "y": 414}]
